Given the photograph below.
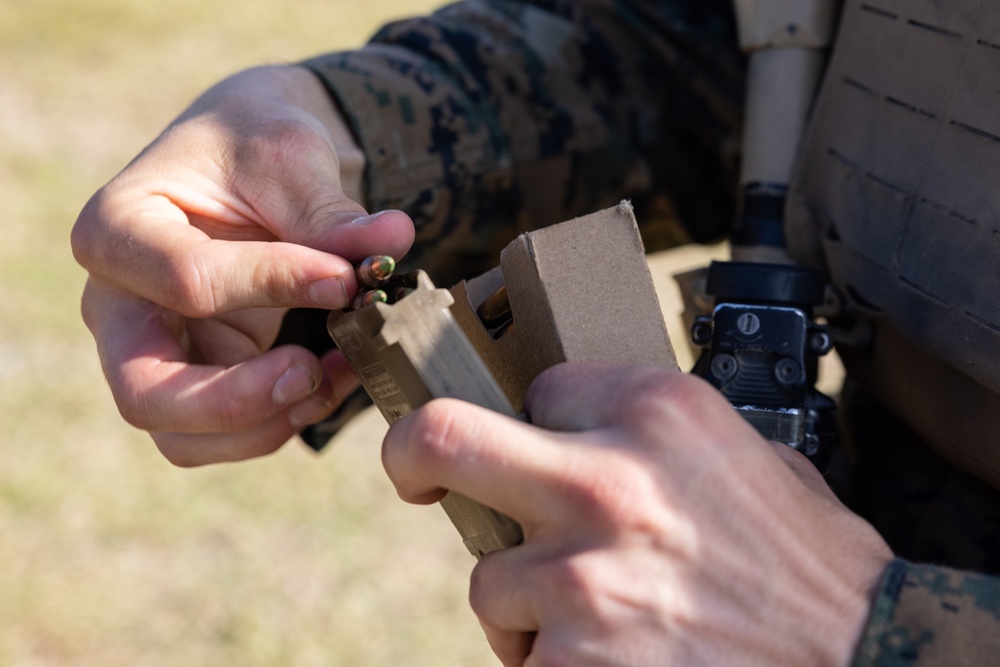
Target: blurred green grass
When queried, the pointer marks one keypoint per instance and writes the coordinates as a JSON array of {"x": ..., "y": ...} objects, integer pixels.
[{"x": 108, "y": 555}]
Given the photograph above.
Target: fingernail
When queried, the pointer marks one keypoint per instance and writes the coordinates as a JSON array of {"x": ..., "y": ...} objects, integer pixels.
[
  {"x": 309, "y": 411},
  {"x": 293, "y": 384},
  {"x": 367, "y": 219},
  {"x": 328, "y": 293}
]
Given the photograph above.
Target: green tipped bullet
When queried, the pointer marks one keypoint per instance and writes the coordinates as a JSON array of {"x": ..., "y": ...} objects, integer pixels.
[
  {"x": 375, "y": 270},
  {"x": 369, "y": 297}
]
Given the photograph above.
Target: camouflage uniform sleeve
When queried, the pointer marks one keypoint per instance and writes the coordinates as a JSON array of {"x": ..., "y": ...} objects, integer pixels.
[
  {"x": 929, "y": 615},
  {"x": 489, "y": 118},
  {"x": 493, "y": 117}
]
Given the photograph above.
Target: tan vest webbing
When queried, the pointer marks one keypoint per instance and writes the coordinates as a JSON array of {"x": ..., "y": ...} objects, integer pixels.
[{"x": 898, "y": 195}]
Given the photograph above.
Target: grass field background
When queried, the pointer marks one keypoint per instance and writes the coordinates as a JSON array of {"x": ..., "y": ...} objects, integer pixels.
[{"x": 108, "y": 555}]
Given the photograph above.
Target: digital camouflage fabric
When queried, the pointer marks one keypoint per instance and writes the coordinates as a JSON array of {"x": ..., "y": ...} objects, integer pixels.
[
  {"x": 931, "y": 615},
  {"x": 487, "y": 119}
]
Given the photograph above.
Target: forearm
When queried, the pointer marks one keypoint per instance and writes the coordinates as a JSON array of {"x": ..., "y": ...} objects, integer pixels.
[
  {"x": 486, "y": 119},
  {"x": 927, "y": 615}
]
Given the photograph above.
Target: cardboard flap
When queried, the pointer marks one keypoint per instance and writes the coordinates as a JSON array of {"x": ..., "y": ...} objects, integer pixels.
[{"x": 578, "y": 291}]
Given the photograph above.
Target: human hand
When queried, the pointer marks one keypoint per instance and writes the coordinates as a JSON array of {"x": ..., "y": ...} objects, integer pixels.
[
  {"x": 245, "y": 206},
  {"x": 660, "y": 528}
]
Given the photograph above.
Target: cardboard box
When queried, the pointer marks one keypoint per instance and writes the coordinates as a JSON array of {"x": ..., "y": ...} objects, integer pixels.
[{"x": 576, "y": 291}]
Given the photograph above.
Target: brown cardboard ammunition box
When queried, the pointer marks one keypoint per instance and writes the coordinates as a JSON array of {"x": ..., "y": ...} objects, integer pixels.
[{"x": 577, "y": 291}]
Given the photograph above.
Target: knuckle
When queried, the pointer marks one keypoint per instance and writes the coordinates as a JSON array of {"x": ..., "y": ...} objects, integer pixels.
[
  {"x": 191, "y": 288},
  {"x": 88, "y": 308},
  {"x": 571, "y": 574},
  {"x": 132, "y": 404},
  {"x": 420, "y": 442},
  {"x": 83, "y": 237},
  {"x": 655, "y": 388},
  {"x": 79, "y": 239},
  {"x": 480, "y": 592},
  {"x": 275, "y": 277},
  {"x": 133, "y": 410},
  {"x": 578, "y": 580},
  {"x": 620, "y": 495},
  {"x": 432, "y": 432},
  {"x": 657, "y": 393}
]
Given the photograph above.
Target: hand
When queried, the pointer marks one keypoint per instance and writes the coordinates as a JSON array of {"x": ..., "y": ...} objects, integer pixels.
[
  {"x": 660, "y": 528},
  {"x": 244, "y": 207}
]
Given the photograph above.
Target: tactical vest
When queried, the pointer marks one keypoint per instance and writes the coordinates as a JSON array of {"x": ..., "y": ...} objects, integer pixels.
[{"x": 897, "y": 196}]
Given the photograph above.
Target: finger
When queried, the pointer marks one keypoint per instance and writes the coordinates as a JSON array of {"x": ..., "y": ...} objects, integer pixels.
[
  {"x": 189, "y": 450},
  {"x": 342, "y": 377},
  {"x": 511, "y": 648},
  {"x": 156, "y": 389},
  {"x": 500, "y": 594},
  {"x": 387, "y": 232},
  {"x": 501, "y": 462},
  {"x": 584, "y": 396},
  {"x": 233, "y": 338},
  {"x": 192, "y": 398},
  {"x": 163, "y": 259},
  {"x": 506, "y": 616}
]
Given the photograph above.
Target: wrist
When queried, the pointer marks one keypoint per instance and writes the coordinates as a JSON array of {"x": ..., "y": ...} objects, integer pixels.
[
  {"x": 819, "y": 574},
  {"x": 833, "y": 604},
  {"x": 839, "y": 624}
]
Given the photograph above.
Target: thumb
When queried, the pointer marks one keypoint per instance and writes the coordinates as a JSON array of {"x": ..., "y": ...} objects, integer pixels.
[
  {"x": 354, "y": 235},
  {"x": 186, "y": 270}
]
